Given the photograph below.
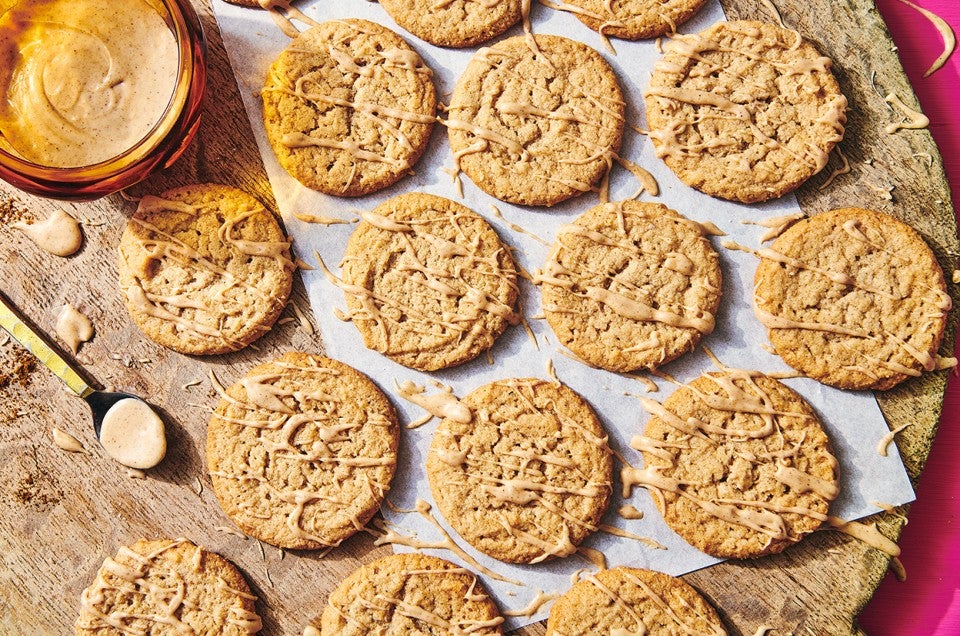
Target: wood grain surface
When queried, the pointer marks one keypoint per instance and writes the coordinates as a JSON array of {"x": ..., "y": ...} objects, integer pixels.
[{"x": 61, "y": 514}]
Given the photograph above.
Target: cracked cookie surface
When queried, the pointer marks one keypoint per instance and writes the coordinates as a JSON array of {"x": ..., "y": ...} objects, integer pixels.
[
  {"x": 744, "y": 110},
  {"x": 737, "y": 464},
  {"x": 630, "y": 285},
  {"x": 301, "y": 451},
  {"x": 529, "y": 477},
  {"x": 202, "y": 593},
  {"x": 348, "y": 107},
  {"x": 428, "y": 282},
  {"x": 632, "y": 601},
  {"x": 410, "y": 594},
  {"x": 635, "y": 19},
  {"x": 853, "y": 298},
  {"x": 536, "y": 125},
  {"x": 455, "y": 23},
  {"x": 204, "y": 269}
]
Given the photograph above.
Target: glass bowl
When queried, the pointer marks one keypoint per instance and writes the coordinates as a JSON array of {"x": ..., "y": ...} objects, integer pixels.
[{"x": 159, "y": 148}]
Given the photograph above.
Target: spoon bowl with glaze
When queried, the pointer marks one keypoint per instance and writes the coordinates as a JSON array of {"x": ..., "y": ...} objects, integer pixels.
[{"x": 128, "y": 428}]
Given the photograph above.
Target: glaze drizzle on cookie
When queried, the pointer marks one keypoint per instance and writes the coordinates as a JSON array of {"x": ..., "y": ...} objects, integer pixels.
[
  {"x": 540, "y": 114},
  {"x": 537, "y": 492},
  {"x": 737, "y": 464},
  {"x": 205, "y": 298},
  {"x": 630, "y": 285},
  {"x": 411, "y": 593},
  {"x": 136, "y": 593},
  {"x": 744, "y": 110},
  {"x": 348, "y": 107},
  {"x": 876, "y": 308},
  {"x": 427, "y": 282},
  {"x": 314, "y": 448}
]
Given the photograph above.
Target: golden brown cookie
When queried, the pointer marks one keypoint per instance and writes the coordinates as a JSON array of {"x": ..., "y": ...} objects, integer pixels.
[
  {"x": 745, "y": 111},
  {"x": 164, "y": 587},
  {"x": 630, "y": 285},
  {"x": 454, "y": 23},
  {"x": 204, "y": 269},
  {"x": 428, "y": 282},
  {"x": 737, "y": 464},
  {"x": 301, "y": 451},
  {"x": 853, "y": 298},
  {"x": 529, "y": 477},
  {"x": 634, "y": 19},
  {"x": 536, "y": 128},
  {"x": 410, "y": 594},
  {"x": 348, "y": 107},
  {"x": 632, "y": 601}
]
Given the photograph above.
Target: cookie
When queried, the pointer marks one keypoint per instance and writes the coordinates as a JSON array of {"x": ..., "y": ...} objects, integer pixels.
[
  {"x": 410, "y": 594},
  {"x": 301, "y": 451},
  {"x": 744, "y": 110},
  {"x": 536, "y": 125},
  {"x": 633, "y": 19},
  {"x": 348, "y": 107},
  {"x": 853, "y": 298},
  {"x": 632, "y": 601},
  {"x": 454, "y": 23},
  {"x": 428, "y": 282},
  {"x": 529, "y": 477},
  {"x": 204, "y": 269},
  {"x": 167, "y": 586},
  {"x": 737, "y": 463},
  {"x": 630, "y": 285}
]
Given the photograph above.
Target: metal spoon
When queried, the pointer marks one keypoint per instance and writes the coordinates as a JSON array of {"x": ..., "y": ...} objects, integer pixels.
[{"x": 100, "y": 402}]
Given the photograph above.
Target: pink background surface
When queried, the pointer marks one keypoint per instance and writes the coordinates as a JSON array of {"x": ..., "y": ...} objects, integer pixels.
[{"x": 928, "y": 602}]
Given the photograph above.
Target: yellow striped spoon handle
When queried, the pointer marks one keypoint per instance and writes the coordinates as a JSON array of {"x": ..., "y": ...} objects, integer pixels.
[{"x": 26, "y": 336}]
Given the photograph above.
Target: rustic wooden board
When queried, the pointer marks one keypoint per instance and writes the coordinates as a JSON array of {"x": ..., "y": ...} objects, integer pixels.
[{"x": 61, "y": 514}]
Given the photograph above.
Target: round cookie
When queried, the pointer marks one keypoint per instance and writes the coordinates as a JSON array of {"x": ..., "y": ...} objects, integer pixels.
[
  {"x": 533, "y": 450},
  {"x": 410, "y": 594},
  {"x": 536, "y": 128},
  {"x": 853, "y": 298},
  {"x": 428, "y": 282},
  {"x": 348, "y": 107},
  {"x": 633, "y": 601},
  {"x": 301, "y": 451},
  {"x": 204, "y": 269},
  {"x": 635, "y": 19},
  {"x": 166, "y": 586},
  {"x": 455, "y": 23},
  {"x": 745, "y": 111},
  {"x": 737, "y": 464},
  {"x": 630, "y": 285}
]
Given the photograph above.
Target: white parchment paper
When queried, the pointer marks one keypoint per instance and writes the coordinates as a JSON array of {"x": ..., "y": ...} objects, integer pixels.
[{"x": 852, "y": 419}]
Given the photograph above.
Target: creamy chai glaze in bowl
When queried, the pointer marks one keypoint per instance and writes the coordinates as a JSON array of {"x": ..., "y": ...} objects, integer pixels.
[{"x": 96, "y": 94}]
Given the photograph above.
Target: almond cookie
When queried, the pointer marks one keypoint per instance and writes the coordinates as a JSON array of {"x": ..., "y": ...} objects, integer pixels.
[
  {"x": 633, "y": 19},
  {"x": 853, "y": 298},
  {"x": 428, "y": 282},
  {"x": 455, "y": 23},
  {"x": 204, "y": 269},
  {"x": 528, "y": 478},
  {"x": 410, "y": 594},
  {"x": 743, "y": 110},
  {"x": 167, "y": 586},
  {"x": 737, "y": 463},
  {"x": 536, "y": 125},
  {"x": 630, "y": 285},
  {"x": 301, "y": 451},
  {"x": 348, "y": 107},
  {"x": 632, "y": 601}
]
